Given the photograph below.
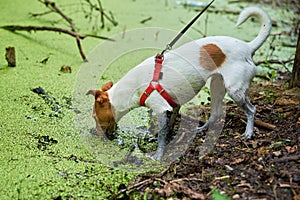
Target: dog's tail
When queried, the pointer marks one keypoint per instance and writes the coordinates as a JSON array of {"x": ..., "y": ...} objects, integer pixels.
[{"x": 265, "y": 28}]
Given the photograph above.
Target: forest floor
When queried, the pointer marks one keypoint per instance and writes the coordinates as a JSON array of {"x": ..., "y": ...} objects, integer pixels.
[{"x": 265, "y": 167}]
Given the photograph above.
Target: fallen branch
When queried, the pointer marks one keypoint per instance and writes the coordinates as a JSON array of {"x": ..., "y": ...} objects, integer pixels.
[
  {"x": 257, "y": 122},
  {"x": 273, "y": 61},
  {"x": 59, "y": 30},
  {"x": 54, "y": 9},
  {"x": 54, "y": 29},
  {"x": 52, "y": 6},
  {"x": 231, "y": 12},
  {"x": 261, "y": 124}
]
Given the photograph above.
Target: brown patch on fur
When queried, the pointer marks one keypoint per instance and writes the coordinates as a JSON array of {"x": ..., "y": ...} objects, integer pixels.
[
  {"x": 103, "y": 113},
  {"x": 211, "y": 57}
]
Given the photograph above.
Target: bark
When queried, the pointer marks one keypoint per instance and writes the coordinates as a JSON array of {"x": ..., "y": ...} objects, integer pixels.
[
  {"x": 10, "y": 56},
  {"x": 295, "y": 80}
]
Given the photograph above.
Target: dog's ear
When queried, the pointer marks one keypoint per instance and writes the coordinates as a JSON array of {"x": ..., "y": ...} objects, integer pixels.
[
  {"x": 107, "y": 86},
  {"x": 100, "y": 96},
  {"x": 92, "y": 92}
]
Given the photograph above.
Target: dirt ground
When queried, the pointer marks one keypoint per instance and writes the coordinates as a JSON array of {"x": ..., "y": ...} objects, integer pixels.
[{"x": 265, "y": 167}]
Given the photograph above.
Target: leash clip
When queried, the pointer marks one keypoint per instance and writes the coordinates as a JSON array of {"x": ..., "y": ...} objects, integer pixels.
[
  {"x": 168, "y": 48},
  {"x": 159, "y": 58}
]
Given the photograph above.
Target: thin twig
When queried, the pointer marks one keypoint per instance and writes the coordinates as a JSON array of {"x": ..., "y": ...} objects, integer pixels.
[
  {"x": 40, "y": 14},
  {"x": 99, "y": 37},
  {"x": 53, "y": 29},
  {"x": 162, "y": 173},
  {"x": 69, "y": 20},
  {"x": 54, "y": 8},
  {"x": 111, "y": 19},
  {"x": 193, "y": 28},
  {"x": 51, "y": 5},
  {"x": 103, "y": 15},
  {"x": 141, "y": 183},
  {"x": 186, "y": 179},
  {"x": 272, "y": 61}
]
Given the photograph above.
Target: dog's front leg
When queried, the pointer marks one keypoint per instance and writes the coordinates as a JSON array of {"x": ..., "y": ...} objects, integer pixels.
[{"x": 163, "y": 129}]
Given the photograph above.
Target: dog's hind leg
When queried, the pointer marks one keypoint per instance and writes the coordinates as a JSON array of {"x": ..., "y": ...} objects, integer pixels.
[
  {"x": 241, "y": 99},
  {"x": 217, "y": 92},
  {"x": 173, "y": 117}
]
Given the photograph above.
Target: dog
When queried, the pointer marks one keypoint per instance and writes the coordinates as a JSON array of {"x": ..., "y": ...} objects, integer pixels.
[{"x": 185, "y": 70}]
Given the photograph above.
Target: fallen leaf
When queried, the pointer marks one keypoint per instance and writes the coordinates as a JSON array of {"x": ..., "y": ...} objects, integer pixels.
[
  {"x": 263, "y": 151},
  {"x": 254, "y": 144},
  {"x": 277, "y": 153},
  {"x": 259, "y": 167},
  {"x": 237, "y": 161},
  {"x": 290, "y": 149}
]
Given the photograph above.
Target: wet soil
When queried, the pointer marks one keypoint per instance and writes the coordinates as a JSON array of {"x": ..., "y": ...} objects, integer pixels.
[{"x": 264, "y": 167}]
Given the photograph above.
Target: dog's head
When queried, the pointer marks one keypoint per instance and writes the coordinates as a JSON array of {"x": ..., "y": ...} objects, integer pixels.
[{"x": 103, "y": 111}]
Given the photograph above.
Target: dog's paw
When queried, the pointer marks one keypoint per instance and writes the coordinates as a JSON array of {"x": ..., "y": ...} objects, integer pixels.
[
  {"x": 158, "y": 155},
  {"x": 202, "y": 128},
  {"x": 248, "y": 135}
]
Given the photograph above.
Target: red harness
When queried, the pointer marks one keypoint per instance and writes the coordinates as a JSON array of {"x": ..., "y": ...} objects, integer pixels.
[{"x": 154, "y": 84}]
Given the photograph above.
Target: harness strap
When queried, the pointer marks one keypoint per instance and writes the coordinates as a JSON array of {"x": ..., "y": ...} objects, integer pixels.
[
  {"x": 154, "y": 85},
  {"x": 157, "y": 69},
  {"x": 160, "y": 90},
  {"x": 165, "y": 95},
  {"x": 146, "y": 94}
]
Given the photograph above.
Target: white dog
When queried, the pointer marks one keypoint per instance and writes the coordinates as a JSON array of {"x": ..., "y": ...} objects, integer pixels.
[{"x": 228, "y": 61}]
